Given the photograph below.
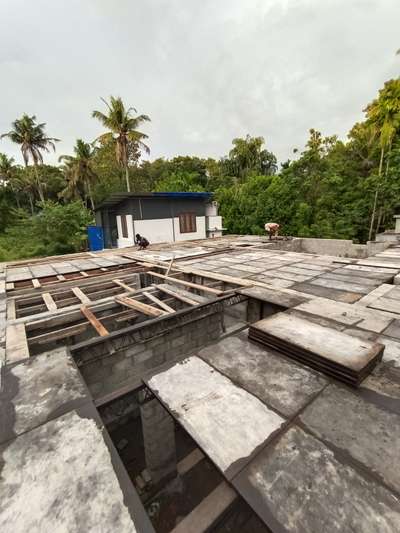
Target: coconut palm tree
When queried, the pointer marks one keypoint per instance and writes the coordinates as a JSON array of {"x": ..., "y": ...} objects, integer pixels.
[
  {"x": 8, "y": 174},
  {"x": 123, "y": 131},
  {"x": 33, "y": 141},
  {"x": 79, "y": 171},
  {"x": 384, "y": 114}
]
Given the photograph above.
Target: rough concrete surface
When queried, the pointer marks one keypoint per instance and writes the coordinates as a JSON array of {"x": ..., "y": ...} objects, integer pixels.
[
  {"x": 37, "y": 390},
  {"x": 285, "y": 386},
  {"x": 367, "y": 431},
  {"x": 227, "y": 422},
  {"x": 297, "y": 485},
  {"x": 60, "y": 478}
]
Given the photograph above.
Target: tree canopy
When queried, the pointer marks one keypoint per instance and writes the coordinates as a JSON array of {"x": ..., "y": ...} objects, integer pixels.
[{"x": 333, "y": 188}]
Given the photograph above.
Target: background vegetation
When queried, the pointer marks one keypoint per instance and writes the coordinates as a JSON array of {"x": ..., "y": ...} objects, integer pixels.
[{"x": 332, "y": 188}]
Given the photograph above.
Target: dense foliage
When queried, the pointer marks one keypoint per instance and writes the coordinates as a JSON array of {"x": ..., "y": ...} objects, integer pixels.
[{"x": 333, "y": 188}]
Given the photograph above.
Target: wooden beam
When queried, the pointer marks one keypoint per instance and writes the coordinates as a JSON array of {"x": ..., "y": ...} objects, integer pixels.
[
  {"x": 177, "y": 295},
  {"x": 189, "y": 461},
  {"x": 159, "y": 302},
  {"x": 36, "y": 283},
  {"x": 98, "y": 326},
  {"x": 84, "y": 274},
  {"x": 60, "y": 277},
  {"x": 124, "y": 285},
  {"x": 208, "y": 511},
  {"x": 81, "y": 295},
  {"x": 204, "y": 288},
  {"x": 52, "y": 336},
  {"x": 170, "y": 266},
  {"x": 9, "y": 285},
  {"x": 48, "y": 300},
  {"x": 139, "y": 306},
  {"x": 16, "y": 343}
]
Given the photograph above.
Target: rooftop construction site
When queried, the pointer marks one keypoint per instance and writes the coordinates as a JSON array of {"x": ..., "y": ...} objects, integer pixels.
[{"x": 227, "y": 384}]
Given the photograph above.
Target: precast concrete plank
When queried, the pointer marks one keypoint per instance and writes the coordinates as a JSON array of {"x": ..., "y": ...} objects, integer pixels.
[
  {"x": 229, "y": 424},
  {"x": 298, "y": 484},
  {"x": 327, "y": 293},
  {"x": 39, "y": 389},
  {"x": 71, "y": 469},
  {"x": 275, "y": 380},
  {"x": 386, "y": 304},
  {"x": 331, "y": 345},
  {"x": 392, "y": 351},
  {"x": 369, "y": 432},
  {"x": 361, "y": 280},
  {"x": 341, "y": 285},
  {"x": 18, "y": 274},
  {"x": 64, "y": 267},
  {"x": 42, "y": 271}
]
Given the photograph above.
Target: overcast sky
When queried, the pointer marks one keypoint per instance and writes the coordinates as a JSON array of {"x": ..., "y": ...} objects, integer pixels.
[{"x": 205, "y": 71}]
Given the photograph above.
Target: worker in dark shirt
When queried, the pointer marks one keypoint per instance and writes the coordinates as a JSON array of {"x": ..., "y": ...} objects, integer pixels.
[{"x": 142, "y": 242}]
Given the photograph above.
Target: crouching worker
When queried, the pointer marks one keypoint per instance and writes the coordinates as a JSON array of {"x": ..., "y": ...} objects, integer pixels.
[
  {"x": 142, "y": 242},
  {"x": 272, "y": 229}
]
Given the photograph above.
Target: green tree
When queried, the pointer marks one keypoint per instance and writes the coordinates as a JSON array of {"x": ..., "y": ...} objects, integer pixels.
[
  {"x": 33, "y": 141},
  {"x": 79, "y": 171},
  {"x": 123, "y": 132},
  {"x": 383, "y": 114},
  {"x": 248, "y": 155},
  {"x": 8, "y": 174}
]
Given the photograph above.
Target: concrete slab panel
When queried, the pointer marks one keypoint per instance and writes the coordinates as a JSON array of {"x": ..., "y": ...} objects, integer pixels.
[
  {"x": 39, "y": 389},
  {"x": 228, "y": 423},
  {"x": 325, "y": 292},
  {"x": 66, "y": 476},
  {"x": 392, "y": 350},
  {"x": 369, "y": 432},
  {"x": 275, "y": 380},
  {"x": 298, "y": 485},
  {"x": 341, "y": 285}
]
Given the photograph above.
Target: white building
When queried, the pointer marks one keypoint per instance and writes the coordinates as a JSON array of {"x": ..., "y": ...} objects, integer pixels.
[{"x": 160, "y": 217}]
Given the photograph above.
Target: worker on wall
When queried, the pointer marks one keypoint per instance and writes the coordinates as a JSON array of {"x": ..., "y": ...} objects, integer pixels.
[{"x": 272, "y": 229}]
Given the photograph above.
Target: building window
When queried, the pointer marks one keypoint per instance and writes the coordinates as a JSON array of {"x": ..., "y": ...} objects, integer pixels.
[
  {"x": 124, "y": 227},
  {"x": 187, "y": 223}
]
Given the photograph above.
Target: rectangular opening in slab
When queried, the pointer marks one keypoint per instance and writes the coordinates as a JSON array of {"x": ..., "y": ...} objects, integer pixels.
[{"x": 194, "y": 494}]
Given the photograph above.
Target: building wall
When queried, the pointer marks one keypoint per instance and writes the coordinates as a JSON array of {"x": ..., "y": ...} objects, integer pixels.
[{"x": 158, "y": 230}]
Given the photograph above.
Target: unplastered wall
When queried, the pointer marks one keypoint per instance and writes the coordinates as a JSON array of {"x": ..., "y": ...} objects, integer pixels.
[{"x": 112, "y": 371}]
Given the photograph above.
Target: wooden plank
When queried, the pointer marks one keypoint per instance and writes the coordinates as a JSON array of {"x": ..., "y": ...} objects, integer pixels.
[
  {"x": 170, "y": 266},
  {"x": 60, "y": 277},
  {"x": 9, "y": 285},
  {"x": 203, "y": 288},
  {"x": 36, "y": 283},
  {"x": 189, "y": 461},
  {"x": 81, "y": 295},
  {"x": 159, "y": 302},
  {"x": 49, "y": 302},
  {"x": 124, "y": 285},
  {"x": 177, "y": 295},
  {"x": 16, "y": 343},
  {"x": 139, "y": 306},
  {"x": 84, "y": 274},
  {"x": 63, "y": 333},
  {"x": 98, "y": 326},
  {"x": 208, "y": 511}
]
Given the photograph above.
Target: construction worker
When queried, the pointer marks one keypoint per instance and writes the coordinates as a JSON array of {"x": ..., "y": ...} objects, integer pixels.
[
  {"x": 142, "y": 242},
  {"x": 272, "y": 229}
]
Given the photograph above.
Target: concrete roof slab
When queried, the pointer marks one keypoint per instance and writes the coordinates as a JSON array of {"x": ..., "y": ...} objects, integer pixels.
[
  {"x": 299, "y": 485},
  {"x": 275, "y": 380},
  {"x": 37, "y": 390},
  {"x": 369, "y": 430},
  {"x": 228, "y": 423},
  {"x": 66, "y": 476}
]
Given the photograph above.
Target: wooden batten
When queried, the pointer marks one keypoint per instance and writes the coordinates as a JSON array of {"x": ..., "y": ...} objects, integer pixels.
[
  {"x": 98, "y": 326},
  {"x": 204, "y": 288},
  {"x": 159, "y": 302},
  {"x": 49, "y": 302},
  {"x": 139, "y": 306}
]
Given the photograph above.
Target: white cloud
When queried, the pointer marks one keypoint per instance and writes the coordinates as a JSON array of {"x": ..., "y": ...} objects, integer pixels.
[{"x": 205, "y": 71}]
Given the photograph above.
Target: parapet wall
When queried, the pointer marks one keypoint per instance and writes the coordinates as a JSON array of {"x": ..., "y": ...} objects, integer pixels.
[{"x": 336, "y": 247}]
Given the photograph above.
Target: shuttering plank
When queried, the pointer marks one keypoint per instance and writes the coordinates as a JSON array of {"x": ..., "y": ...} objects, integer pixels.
[
  {"x": 124, "y": 285},
  {"x": 49, "y": 302},
  {"x": 98, "y": 326},
  {"x": 177, "y": 281},
  {"x": 81, "y": 295},
  {"x": 159, "y": 302},
  {"x": 139, "y": 306},
  {"x": 177, "y": 294},
  {"x": 16, "y": 343}
]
